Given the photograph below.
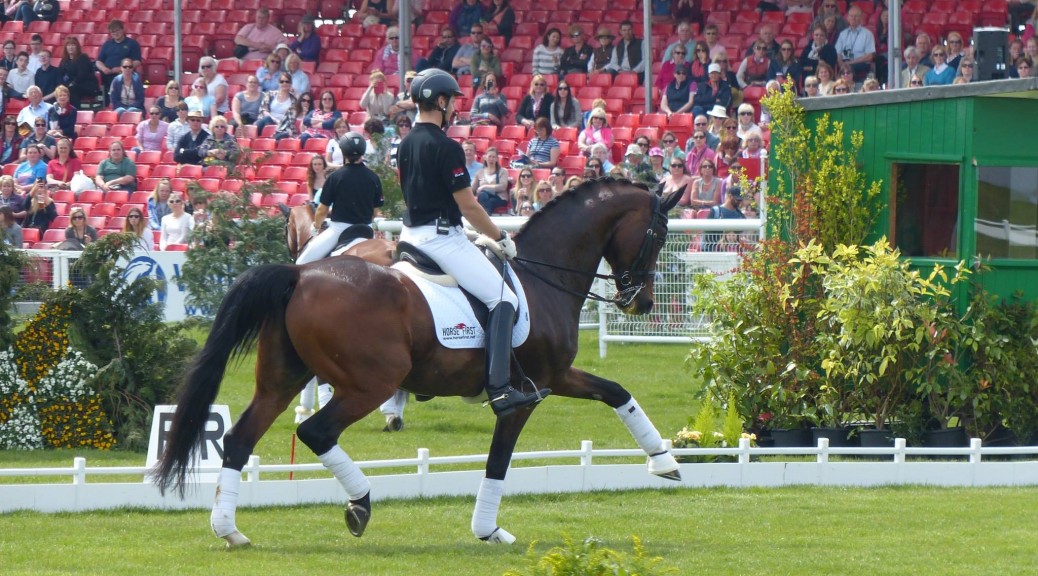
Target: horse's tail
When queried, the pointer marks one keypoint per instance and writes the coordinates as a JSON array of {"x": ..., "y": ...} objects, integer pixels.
[{"x": 257, "y": 298}]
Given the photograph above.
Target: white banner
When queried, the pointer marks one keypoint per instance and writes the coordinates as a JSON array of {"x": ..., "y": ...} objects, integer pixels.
[{"x": 165, "y": 266}]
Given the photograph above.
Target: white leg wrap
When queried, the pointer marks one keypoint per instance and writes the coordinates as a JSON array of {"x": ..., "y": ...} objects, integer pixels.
[
  {"x": 645, "y": 434},
  {"x": 222, "y": 518},
  {"x": 488, "y": 500},
  {"x": 346, "y": 472},
  {"x": 324, "y": 395},
  {"x": 395, "y": 405}
]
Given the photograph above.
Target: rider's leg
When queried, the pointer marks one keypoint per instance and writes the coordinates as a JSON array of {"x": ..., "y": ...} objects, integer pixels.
[{"x": 323, "y": 243}]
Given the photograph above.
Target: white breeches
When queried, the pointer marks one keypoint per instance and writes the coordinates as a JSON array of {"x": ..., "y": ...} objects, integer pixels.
[{"x": 323, "y": 244}]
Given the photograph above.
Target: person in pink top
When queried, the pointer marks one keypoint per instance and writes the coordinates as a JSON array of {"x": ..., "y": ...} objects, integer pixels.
[
  {"x": 387, "y": 58},
  {"x": 255, "y": 41},
  {"x": 151, "y": 133}
]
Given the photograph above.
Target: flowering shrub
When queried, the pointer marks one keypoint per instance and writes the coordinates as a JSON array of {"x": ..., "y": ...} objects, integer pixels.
[{"x": 46, "y": 397}]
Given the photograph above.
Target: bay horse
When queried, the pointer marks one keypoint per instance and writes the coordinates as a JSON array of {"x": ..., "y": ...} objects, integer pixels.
[
  {"x": 297, "y": 314},
  {"x": 298, "y": 233}
]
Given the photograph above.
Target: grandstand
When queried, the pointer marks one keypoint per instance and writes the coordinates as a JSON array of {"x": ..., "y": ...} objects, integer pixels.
[{"x": 347, "y": 50}]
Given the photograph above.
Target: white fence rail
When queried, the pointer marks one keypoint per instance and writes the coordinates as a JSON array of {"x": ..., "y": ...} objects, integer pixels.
[{"x": 969, "y": 466}]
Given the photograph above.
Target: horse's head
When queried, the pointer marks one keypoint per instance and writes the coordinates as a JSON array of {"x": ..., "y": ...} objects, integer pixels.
[{"x": 637, "y": 240}]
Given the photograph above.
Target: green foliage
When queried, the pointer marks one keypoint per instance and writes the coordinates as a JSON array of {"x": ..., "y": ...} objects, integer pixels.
[
  {"x": 11, "y": 263},
  {"x": 706, "y": 422},
  {"x": 391, "y": 190},
  {"x": 116, "y": 326},
  {"x": 591, "y": 558},
  {"x": 732, "y": 428}
]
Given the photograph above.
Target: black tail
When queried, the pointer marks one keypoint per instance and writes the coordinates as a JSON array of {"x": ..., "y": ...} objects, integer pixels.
[{"x": 257, "y": 297}]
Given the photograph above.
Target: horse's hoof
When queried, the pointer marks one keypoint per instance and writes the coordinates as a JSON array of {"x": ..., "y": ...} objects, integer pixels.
[
  {"x": 393, "y": 423},
  {"x": 664, "y": 465},
  {"x": 358, "y": 512},
  {"x": 237, "y": 540},
  {"x": 499, "y": 536}
]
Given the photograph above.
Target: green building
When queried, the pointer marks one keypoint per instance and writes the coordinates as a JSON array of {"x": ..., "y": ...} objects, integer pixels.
[{"x": 959, "y": 166}]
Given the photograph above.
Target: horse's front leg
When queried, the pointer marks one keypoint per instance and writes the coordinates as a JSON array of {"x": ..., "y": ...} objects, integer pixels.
[
  {"x": 488, "y": 500},
  {"x": 580, "y": 384}
]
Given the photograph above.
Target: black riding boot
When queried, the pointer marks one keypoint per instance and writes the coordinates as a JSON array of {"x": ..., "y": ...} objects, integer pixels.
[{"x": 504, "y": 398}]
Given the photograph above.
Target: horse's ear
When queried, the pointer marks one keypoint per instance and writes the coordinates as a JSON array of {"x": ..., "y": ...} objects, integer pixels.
[{"x": 671, "y": 200}]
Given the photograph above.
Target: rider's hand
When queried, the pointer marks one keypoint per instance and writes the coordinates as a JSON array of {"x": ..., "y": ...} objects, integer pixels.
[
  {"x": 498, "y": 247},
  {"x": 507, "y": 246}
]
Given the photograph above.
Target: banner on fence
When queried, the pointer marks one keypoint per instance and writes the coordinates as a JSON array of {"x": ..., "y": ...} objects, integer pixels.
[{"x": 165, "y": 266}]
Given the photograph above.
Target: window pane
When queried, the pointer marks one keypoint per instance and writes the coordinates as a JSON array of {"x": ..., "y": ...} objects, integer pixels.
[
  {"x": 1007, "y": 211},
  {"x": 926, "y": 209}
]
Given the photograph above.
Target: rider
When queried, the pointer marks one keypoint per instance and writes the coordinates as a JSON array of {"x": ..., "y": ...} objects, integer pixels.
[
  {"x": 351, "y": 194},
  {"x": 437, "y": 191}
]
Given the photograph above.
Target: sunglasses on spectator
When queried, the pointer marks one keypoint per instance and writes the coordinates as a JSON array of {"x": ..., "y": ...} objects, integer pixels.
[
  {"x": 79, "y": 217},
  {"x": 563, "y": 87},
  {"x": 677, "y": 165},
  {"x": 394, "y": 37},
  {"x": 206, "y": 66},
  {"x": 710, "y": 166},
  {"x": 539, "y": 84},
  {"x": 194, "y": 119},
  {"x": 558, "y": 173},
  {"x": 839, "y": 89},
  {"x": 175, "y": 202},
  {"x": 700, "y": 123},
  {"x": 668, "y": 140},
  {"x": 133, "y": 216},
  {"x": 526, "y": 175},
  {"x": 700, "y": 137},
  {"x": 811, "y": 85},
  {"x": 679, "y": 52},
  {"x": 41, "y": 124},
  {"x": 916, "y": 82},
  {"x": 745, "y": 113}
]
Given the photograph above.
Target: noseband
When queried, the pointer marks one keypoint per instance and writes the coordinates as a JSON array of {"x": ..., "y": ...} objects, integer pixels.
[{"x": 626, "y": 279}]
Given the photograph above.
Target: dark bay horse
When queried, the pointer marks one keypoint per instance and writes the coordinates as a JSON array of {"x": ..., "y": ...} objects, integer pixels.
[{"x": 298, "y": 315}]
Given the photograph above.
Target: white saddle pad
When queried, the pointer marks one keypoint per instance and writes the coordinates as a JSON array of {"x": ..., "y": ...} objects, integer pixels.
[{"x": 455, "y": 322}]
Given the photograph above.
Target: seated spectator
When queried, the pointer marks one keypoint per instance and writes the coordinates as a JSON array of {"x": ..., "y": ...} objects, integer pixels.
[
  {"x": 666, "y": 73},
  {"x": 684, "y": 41},
  {"x": 765, "y": 37},
  {"x": 200, "y": 101},
  {"x": 62, "y": 168},
  {"x": 557, "y": 180},
  {"x": 676, "y": 178},
  {"x": 724, "y": 241},
  {"x": 151, "y": 133},
  {"x": 712, "y": 37},
  {"x": 7, "y": 60},
  {"x": 78, "y": 71},
  {"x": 847, "y": 75},
  {"x": 187, "y": 148},
  {"x": 966, "y": 68},
  {"x": 279, "y": 107},
  {"x": 403, "y": 104},
  {"x": 168, "y": 102},
  {"x": 941, "y": 73},
  {"x": 717, "y": 116},
  {"x": 220, "y": 148},
  {"x": 634, "y": 167},
  {"x": 524, "y": 186},
  {"x": 245, "y": 105},
  {"x": 176, "y": 226},
  {"x": 573, "y": 181},
  {"x": 40, "y": 210},
  {"x": 856, "y": 45},
  {"x": 126, "y": 92},
  {"x": 656, "y": 163},
  {"x": 178, "y": 127},
  {"x": 547, "y": 56},
  {"x": 377, "y": 99},
  {"x": 442, "y": 56},
  {"x": 78, "y": 234},
  {"x": 489, "y": 107},
  {"x": 484, "y": 62},
  {"x": 671, "y": 148},
  {"x": 826, "y": 78},
  {"x": 600, "y": 153},
  {"x": 1024, "y": 67},
  {"x": 387, "y": 58},
  {"x": 728, "y": 149},
  {"x": 307, "y": 44},
  {"x": 135, "y": 224},
  {"x": 712, "y": 93},
  {"x": 403, "y": 128},
  {"x": 472, "y": 165},
  {"x": 728, "y": 75},
  {"x": 37, "y": 10},
  {"x": 116, "y": 49},
  {"x": 215, "y": 84},
  {"x": 818, "y": 50},
  {"x": 686, "y": 10},
  {"x": 576, "y": 58},
  {"x": 954, "y": 48},
  {"x": 332, "y": 152},
  {"x": 784, "y": 65},
  {"x": 913, "y": 68},
  {"x": 677, "y": 98},
  {"x": 39, "y": 137},
  {"x": 754, "y": 148},
  {"x": 10, "y": 197},
  {"x": 490, "y": 184},
  {"x": 601, "y": 56},
  {"x": 502, "y": 17},
  {"x": 10, "y": 230},
  {"x": 158, "y": 203},
  {"x": 32, "y": 171},
  {"x": 61, "y": 118},
  {"x": 754, "y": 69},
  {"x": 304, "y": 106},
  {"x": 596, "y": 132},
  {"x": 462, "y": 63},
  {"x": 320, "y": 122},
  {"x": 700, "y": 63},
  {"x": 117, "y": 172},
  {"x": 872, "y": 85},
  {"x": 47, "y": 77},
  {"x": 256, "y": 40},
  {"x": 373, "y": 127},
  {"x": 269, "y": 73},
  {"x": 565, "y": 109},
  {"x": 536, "y": 104},
  {"x": 830, "y": 10},
  {"x": 747, "y": 123},
  {"x": 543, "y": 150},
  {"x": 811, "y": 87},
  {"x": 20, "y": 78},
  {"x": 10, "y": 141},
  {"x": 465, "y": 14},
  {"x": 842, "y": 86},
  {"x": 705, "y": 191},
  {"x": 300, "y": 79},
  {"x": 371, "y": 12}
]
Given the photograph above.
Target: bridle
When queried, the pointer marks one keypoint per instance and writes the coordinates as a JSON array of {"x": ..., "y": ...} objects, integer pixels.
[{"x": 626, "y": 279}]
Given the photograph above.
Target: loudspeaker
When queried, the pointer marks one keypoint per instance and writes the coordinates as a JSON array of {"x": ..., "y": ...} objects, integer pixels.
[{"x": 991, "y": 50}]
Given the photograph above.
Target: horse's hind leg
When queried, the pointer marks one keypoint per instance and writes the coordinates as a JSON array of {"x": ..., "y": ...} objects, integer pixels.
[
  {"x": 580, "y": 384},
  {"x": 488, "y": 499},
  {"x": 279, "y": 375}
]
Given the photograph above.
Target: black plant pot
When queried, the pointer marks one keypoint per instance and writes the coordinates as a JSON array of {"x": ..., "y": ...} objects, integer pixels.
[
  {"x": 946, "y": 438},
  {"x": 791, "y": 438},
  {"x": 838, "y": 437},
  {"x": 876, "y": 438}
]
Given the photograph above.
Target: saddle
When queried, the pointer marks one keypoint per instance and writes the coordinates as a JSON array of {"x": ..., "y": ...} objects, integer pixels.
[{"x": 354, "y": 232}]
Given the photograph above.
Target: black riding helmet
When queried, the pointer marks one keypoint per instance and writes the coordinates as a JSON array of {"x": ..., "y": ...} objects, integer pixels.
[
  {"x": 353, "y": 145},
  {"x": 431, "y": 83}
]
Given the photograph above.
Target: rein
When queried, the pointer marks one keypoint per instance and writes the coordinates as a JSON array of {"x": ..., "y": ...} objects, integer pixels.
[{"x": 626, "y": 295}]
